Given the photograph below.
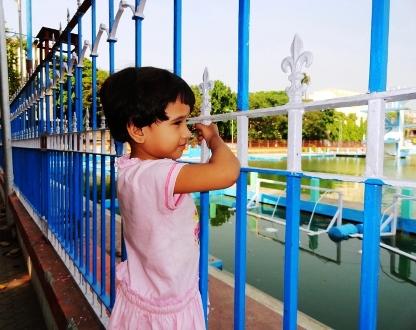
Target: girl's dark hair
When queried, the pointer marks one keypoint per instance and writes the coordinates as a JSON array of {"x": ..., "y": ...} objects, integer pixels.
[{"x": 140, "y": 96}]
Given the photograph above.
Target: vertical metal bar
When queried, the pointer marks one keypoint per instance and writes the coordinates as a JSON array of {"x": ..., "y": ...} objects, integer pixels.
[
  {"x": 5, "y": 117},
  {"x": 103, "y": 222},
  {"x": 94, "y": 67},
  {"x": 291, "y": 252},
  {"x": 374, "y": 166},
  {"x": 29, "y": 34},
  {"x": 79, "y": 78},
  {"x": 379, "y": 45},
  {"x": 61, "y": 90},
  {"x": 78, "y": 155},
  {"x": 111, "y": 42},
  {"x": 41, "y": 98},
  {"x": 138, "y": 38},
  {"x": 66, "y": 173},
  {"x": 177, "y": 37},
  {"x": 241, "y": 215},
  {"x": 240, "y": 253},
  {"x": 94, "y": 218},
  {"x": 87, "y": 212},
  {"x": 47, "y": 98},
  {"x": 72, "y": 184},
  {"x": 52, "y": 192},
  {"x": 59, "y": 211},
  {"x": 69, "y": 84},
  {"x": 112, "y": 231},
  {"x": 94, "y": 156},
  {"x": 204, "y": 245},
  {"x": 53, "y": 93},
  {"x": 371, "y": 254},
  {"x": 243, "y": 54}
]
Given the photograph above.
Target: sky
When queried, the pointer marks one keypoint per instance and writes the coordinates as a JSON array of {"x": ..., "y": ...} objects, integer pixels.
[{"x": 336, "y": 32}]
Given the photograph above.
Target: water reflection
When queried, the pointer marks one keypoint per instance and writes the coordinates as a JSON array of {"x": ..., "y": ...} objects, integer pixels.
[{"x": 329, "y": 273}]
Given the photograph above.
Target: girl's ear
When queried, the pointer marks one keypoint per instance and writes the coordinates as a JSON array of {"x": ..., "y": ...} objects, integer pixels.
[{"x": 136, "y": 133}]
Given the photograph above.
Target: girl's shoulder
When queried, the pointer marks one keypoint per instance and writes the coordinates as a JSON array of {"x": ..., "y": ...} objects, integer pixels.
[{"x": 125, "y": 163}]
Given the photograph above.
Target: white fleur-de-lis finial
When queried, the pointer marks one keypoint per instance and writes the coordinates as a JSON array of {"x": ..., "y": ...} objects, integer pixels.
[
  {"x": 74, "y": 123},
  {"x": 293, "y": 65},
  {"x": 57, "y": 125},
  {"x": 102, "y": 121},
  {"x": 87, "y": 119},
  {"x": 65, "y": 124},
  {"x": 205, "y": 87}
]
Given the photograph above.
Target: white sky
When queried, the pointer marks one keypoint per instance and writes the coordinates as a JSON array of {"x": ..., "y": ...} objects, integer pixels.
[{"x": 336, "y": 32}]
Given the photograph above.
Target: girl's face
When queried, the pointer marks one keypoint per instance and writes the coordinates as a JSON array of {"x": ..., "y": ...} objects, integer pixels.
[{"x": 167, "y": 139}]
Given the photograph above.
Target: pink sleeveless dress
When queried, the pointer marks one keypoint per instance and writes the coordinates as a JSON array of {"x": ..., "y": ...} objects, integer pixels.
[{"x": 157, "y": 287}]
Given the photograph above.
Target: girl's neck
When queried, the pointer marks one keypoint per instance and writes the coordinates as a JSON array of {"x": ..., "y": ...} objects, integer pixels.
[{"x": 137, "y": 152}]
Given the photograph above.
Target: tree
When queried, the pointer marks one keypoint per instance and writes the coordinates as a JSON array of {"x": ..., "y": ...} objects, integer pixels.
[
  {"x": 12, "y": 45},
  {"x": 345, "y": 128},
  {"x": 86, "y": 89},
  {"x": 315, "y": 124},
  {"x": 223, "y": 100},
  {"x": 269, "y": 128}
]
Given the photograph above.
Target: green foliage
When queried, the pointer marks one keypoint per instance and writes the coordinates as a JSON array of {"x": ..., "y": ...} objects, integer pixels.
[
  {"x": 86, "y": 88},
  {"x": 315, "y": 124},
  {"x": 223, "y": 100},
  {"x": 345, "y": 128},
  {"x": 102, "y": 75},
  {"x": 268, "y": 128},
  {"x": 12, "y": 45}
]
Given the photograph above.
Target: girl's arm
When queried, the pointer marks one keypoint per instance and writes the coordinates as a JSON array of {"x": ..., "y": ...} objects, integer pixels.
[{"x": 220, "y": 172}]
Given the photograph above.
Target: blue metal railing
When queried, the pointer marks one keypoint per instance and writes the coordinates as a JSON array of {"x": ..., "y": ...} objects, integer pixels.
[{"x": 66, "y": 172}]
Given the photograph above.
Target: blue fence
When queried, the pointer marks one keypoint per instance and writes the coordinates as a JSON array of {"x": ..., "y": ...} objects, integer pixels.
[{"x": 64, "y": 160}]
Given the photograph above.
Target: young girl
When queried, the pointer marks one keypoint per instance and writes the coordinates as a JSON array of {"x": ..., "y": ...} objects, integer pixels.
[{"x": 157, "y": 287}]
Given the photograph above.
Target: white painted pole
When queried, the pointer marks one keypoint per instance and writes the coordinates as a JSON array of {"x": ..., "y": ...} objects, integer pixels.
[
  {"x": 375, "y": 138},
  {"x": 205, "y": 87},
  {"x": 293, "y": 65},
  {"x": 5, "y": 119}
]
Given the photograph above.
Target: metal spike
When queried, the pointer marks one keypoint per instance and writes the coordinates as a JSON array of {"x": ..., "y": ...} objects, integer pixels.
[
  {"x": 74, "y": 123},
  {"x": 68, "y": 16},
  {"x": 87, "y": 119},
  {"x": 65, "y": 124},
  {"x": 102, "y": 120}
]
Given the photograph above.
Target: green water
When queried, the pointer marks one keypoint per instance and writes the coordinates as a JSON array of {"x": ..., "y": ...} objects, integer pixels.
[{"x": 329, "y": 272}]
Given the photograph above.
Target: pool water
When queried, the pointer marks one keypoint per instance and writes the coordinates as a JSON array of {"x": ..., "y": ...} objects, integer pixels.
[{"x": 329, "y": 272}]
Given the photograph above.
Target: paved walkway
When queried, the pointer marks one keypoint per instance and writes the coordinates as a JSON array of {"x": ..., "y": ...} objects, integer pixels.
[{"x": 19, "y": 307}]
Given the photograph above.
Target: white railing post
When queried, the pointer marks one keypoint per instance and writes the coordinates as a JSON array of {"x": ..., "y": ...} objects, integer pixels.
[
  {"x": 293, "y": 65},
  {"x": 205, "y": 87},
  {"x": 375, "y": 138}
]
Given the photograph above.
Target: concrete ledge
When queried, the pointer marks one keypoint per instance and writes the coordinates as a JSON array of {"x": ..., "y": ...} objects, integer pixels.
[
  {"x": 262, "y": 311},
  {"x": 63, "y": 304}
]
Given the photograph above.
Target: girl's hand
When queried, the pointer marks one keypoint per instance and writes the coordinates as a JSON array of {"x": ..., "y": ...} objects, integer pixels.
[{"x": 207, "y": 133}]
